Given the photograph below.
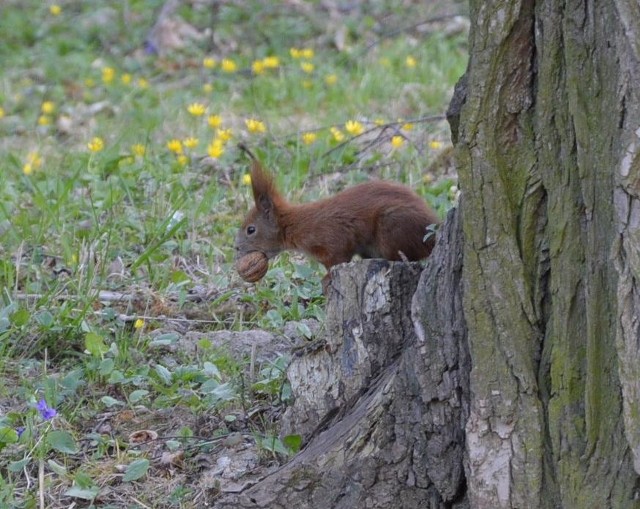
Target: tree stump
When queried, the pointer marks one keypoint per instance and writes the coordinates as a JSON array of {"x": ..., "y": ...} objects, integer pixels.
[{"x": 383, "y": 400}]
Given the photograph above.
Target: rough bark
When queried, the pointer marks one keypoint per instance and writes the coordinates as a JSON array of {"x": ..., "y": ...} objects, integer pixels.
[
  {"x": 548, "y": 137},
  {"x": 382, "y": 407}
]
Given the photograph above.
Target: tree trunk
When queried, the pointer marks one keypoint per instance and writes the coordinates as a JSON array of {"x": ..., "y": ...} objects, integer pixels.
[
  {"x": 547, "y": 139},
  {"x": 518, "y": 383}
]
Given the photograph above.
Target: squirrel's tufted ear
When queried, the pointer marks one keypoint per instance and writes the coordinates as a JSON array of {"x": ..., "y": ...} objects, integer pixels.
[
  {"x": 266, "y": 196},
  {"x": 263, "y": 190}
]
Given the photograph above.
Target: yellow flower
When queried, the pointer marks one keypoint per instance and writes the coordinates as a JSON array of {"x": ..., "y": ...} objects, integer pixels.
[
  {"x": 408, "y": 126},
  {"x": 216, "y": 148},
  {"x": 2, "y": 112},
  {"x": 295, "y": 53},
  {"x": 307, "y": 84},
  {"x": 34, "y": 161},
  {"x": 44, "y": 120},
  {"x": 125, "y": 78},
  {"x": 224, "y": 134},
  {"x": 138, "y": 324},
  {"x": 108, "y": 74},
  {"x": 182, "y": 160},
  {"x": 138, "y": 149},
  {"x": 331, "y": 79},
  {"x": 257, "y": 67},
  {"x": 255, "y": 126},
  {"x": 338, "y": 135},
  {"x": 309, "y": 138},
  {"x": 379, "y": 121},
  {"x": 229, "y": 65},
  {"x": 143, "y": 83},
  {"x": 196, "y": 109},
  {"x": 435, "y": 144},
  {"x": 354, "y": 127},
  {"x": 209, "y": 63},
  {"x": 307, "y": 53},
  {"x": 246, "y": 179},
  {"x": 214, "y": 121},
  {"x": 307, "y": 67},
  {"x": 410, "y": 62},
  {"x": 48, "y": 107},
  {"x": 271, "y": 62},
  {"x": 55, "y": 10},
  {"x": 95, "y": 145},
  {"x": 175, "y": 146},
  {"x": 207, "y": 88},
  {"x": 397, "y": 141},
  {"x": 191, "y": 142},
  {"x": 90, "y": 82}
]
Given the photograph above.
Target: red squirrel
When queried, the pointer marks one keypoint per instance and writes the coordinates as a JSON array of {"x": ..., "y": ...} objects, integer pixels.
[{"x": 376, "y": 219}]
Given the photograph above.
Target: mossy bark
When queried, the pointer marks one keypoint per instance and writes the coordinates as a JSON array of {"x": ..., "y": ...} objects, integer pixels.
[{"x": 547, "y": 133}]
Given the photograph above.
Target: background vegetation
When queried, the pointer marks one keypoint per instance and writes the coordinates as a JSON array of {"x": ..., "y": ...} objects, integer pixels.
[{"x": 121, "y": 190}]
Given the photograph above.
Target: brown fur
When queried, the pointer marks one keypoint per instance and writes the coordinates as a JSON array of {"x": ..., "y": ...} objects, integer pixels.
[{"x": 374, "y": 220}]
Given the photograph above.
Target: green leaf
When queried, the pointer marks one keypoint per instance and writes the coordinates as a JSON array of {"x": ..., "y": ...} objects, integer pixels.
[
  {"x": 110, "y": 167},
  {"x": 173, "y": 445},
  {"x": 57, "y": 467},
  {"x": 108, "y": 401},
  {"x": 136, "y": 396},
  {"x": 304, "y": 330},
  {"x": 168, "y": 228},
  {"x": 106, "y": 366},
  {"x": 273, "y": 444},
  {"x": 83, "y": 493},
  {"x": 224, "y": 392},
  {"x": 136, "y": 470},
  {"x": 83, "y": 480},
  {"x": 17, "y": 466},
  {"x": 73, "y": 380},
  {"x": 185, "y": 432},
  {"x": 293, "y": 442},
  {"x": 210, "y": 369},
  {"x": 8, "y": 435},
  {"x": 95, "y": 345},
  {"x": 45, "y": 318},
  {"x": 20, "y": 317},
  {"x": 179, "y": 276},
  {"x": 204, "y": 344},
  {"x": 209, "y": 386},
  {"x": 169, "y": 338},
  {"x": 163, "y": 373},
  {"x": 62, "y": 441}
]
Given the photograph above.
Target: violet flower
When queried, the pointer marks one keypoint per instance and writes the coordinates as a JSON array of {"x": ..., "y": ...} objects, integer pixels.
[{"x": 46, "y": 412}]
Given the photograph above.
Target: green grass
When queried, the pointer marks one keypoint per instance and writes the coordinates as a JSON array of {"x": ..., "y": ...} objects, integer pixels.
[{"x": 108, "y": 257}]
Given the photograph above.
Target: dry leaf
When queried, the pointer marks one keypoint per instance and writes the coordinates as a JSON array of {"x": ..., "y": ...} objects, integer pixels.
[{"x": 142, "y": 436}]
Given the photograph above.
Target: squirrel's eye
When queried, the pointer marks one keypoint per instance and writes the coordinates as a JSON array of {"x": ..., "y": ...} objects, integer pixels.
[{"x": 251, "y": 230}]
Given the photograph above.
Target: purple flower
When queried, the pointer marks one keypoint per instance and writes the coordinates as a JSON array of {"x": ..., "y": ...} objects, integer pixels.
[
  {"x": 150, "y": 48},
  {"x": 46, "y": 412},
  {"x": 20, "y": 431}
]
